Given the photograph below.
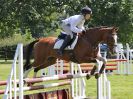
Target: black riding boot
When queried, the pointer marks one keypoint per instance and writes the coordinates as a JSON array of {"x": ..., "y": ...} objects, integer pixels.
[{"x": 65, "y": 43}]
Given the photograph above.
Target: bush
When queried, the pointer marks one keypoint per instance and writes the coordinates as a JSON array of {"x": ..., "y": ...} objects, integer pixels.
[
  {"x": 8, "y": 45},
  {"x": 14, "y": 40}
]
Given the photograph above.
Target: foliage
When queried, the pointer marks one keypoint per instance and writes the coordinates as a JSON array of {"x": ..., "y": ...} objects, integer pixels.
[
  {"x": 114, "y": 13},
  {"x": 42, "y": 18},
  {"x": 15, "y": 39},
  {"x": 8, "y": 45}
]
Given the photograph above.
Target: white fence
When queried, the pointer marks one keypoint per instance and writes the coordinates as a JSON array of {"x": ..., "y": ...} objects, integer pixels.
[
  {"x": 12, "y": 86},
  {"x": 78, "y": 85}
]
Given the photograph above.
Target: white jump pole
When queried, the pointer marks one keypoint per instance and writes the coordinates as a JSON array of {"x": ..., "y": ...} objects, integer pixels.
[{"x": 21, "y": 71}]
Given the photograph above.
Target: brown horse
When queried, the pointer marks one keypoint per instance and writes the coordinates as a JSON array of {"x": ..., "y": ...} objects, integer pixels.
[{"x": 85, "y": 51}]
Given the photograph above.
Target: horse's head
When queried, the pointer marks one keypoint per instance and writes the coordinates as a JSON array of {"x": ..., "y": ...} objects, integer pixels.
[
  {"x": 110, "y": 38},
  {"x": 102, "y": 34}
]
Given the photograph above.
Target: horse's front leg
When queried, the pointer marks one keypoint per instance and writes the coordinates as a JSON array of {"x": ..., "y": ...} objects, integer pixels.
[
  {"x": 92, "y": 72},
  {"x": 100, "y": 71}
]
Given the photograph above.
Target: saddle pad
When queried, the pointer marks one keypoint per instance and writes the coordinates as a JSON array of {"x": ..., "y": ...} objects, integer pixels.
[{"x": 70, "y": 47}]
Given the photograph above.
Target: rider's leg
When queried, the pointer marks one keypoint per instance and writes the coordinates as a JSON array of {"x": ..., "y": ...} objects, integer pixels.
[
  {"x": 65, "y": 43},
  {"x": 67, "y": 30}
]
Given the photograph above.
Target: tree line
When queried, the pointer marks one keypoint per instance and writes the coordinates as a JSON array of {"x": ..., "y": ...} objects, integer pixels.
[{"x": 41, "y": 18}]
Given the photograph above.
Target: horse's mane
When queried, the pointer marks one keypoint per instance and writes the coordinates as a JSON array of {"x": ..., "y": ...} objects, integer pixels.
[
  {"x": 97, "y": 28},
  {"x": 93, "y": 28},
  {"x": 95, "y": 32}
]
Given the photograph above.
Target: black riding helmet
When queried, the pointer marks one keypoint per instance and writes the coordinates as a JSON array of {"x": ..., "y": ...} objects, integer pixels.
[{"x": 86, "y": 10}]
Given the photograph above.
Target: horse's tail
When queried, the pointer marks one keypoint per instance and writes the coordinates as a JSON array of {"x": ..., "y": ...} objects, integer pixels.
[{"x": 28, "y": 54}]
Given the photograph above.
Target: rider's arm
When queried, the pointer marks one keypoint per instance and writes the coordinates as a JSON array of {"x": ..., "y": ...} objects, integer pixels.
[
  {"x": 81, "y": 25},
  {"x": 75, "y": 29},
  {"x": 74, "y": 23}
]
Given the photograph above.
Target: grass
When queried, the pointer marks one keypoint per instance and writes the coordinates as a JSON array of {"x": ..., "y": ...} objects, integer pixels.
[{"x": 121, "y": 85}]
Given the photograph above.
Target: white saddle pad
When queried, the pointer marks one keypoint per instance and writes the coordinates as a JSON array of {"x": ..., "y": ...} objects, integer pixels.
[{"x": 70, "y": 47}]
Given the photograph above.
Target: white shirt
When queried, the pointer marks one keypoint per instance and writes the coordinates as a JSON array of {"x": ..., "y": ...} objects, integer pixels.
[{"x": 76, "y": 23}]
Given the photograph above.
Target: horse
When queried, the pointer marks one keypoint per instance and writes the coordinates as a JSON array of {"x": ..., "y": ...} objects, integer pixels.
[{"x": 85, "y": 51}]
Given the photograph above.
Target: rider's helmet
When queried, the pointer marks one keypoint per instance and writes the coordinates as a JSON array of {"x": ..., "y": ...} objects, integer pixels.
[{"x": 86, "y": 10}]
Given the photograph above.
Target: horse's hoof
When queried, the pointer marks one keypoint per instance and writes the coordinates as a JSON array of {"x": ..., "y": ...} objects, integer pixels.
[
  {"x": 88, "y": 76},
  {"x": 97, "y": 75}
]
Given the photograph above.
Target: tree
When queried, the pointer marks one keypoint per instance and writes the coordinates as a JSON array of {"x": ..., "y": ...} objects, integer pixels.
[
  {"x": 114, "y": 13},
  {"x": 42, "y": 17}
]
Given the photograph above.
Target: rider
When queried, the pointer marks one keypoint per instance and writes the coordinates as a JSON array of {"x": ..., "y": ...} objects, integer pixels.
[{"x": 74, "y": 24}]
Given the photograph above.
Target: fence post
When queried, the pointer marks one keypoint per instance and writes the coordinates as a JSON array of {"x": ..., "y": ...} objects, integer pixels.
[{"x": 21, "y": 71}]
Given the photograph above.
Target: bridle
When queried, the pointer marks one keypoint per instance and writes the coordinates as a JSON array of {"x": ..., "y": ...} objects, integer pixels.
[{"x": 112, "y": 41}]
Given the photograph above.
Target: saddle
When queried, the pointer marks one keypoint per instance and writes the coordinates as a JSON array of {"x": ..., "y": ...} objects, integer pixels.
[{"x": 59, "y": 41}]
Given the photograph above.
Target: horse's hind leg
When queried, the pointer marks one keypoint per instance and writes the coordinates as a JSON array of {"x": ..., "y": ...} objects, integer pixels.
[
  {"x": 39, "y": 68},
  {"x": 27, "y": 69},
  {"x": 48, "y": 62},
  {"x": 35, "y": 72}
]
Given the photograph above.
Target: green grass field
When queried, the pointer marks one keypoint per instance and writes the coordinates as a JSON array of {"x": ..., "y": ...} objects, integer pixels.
[{"x": 121, "y": 85}]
